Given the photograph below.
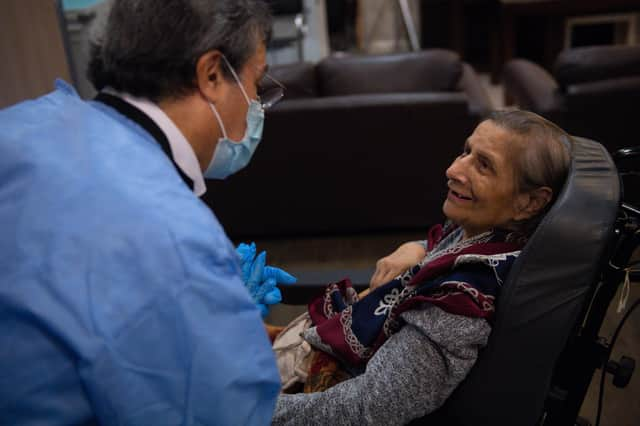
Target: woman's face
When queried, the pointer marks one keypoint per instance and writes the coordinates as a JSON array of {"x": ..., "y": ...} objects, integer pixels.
[{"x": 481, "y": 182}]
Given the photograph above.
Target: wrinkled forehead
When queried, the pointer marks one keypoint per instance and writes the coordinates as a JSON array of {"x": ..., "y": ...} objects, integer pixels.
[{"x": 500, "y": 144}]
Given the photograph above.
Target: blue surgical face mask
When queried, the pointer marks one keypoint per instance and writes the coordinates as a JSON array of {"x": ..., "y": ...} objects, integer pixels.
[{"x": 230, "y": 156}]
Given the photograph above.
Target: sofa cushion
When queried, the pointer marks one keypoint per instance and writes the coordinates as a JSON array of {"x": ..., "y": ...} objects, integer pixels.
[
  {"x": 588, "y": 64},
  {"x": 425, "y": 71},
  {"x": 299, "y": 80}
]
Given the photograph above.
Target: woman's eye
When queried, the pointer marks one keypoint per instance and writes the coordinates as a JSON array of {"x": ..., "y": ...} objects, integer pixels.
[{"x": 484, "y": 165}]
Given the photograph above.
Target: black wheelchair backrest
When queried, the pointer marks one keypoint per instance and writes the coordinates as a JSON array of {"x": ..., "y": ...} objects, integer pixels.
[{"x": 543, "y": 299}]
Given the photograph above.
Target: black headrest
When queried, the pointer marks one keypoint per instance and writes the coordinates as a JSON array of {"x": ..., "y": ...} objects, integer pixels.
[{"x": 541, "y": 301}]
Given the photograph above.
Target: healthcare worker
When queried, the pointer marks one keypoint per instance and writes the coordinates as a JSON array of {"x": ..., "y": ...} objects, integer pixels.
[{"x": 122, "y": 301}]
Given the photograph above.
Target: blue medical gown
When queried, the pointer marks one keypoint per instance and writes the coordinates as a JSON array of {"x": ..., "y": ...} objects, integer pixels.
[{"x": 120, "y": 295}]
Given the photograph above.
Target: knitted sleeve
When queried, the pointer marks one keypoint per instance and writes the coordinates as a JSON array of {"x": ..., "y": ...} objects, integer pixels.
[{"x": 411, "y": 375}]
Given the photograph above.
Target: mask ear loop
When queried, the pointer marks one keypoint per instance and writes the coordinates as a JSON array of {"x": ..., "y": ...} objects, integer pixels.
[
  {"x": 235, "y": 75},
  {"x": 244, "y": 93},
  {"x": 215, "y": 112}
]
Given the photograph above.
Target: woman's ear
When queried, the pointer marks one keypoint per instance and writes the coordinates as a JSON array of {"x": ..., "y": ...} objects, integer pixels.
[
  {"x": 531, "y": 203},
  {"x": 209, "y": 76}
]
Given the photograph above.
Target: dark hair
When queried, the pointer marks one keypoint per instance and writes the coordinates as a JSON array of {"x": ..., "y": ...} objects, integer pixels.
[
  {"x": 150, "y": 48},
  {"x": 540, "y": 153}
]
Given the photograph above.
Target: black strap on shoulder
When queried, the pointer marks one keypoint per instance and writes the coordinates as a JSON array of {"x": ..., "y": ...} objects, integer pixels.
[{"x": 143, "y": 120}]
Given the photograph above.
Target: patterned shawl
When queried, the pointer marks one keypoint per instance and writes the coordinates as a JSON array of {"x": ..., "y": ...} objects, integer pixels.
[{"x": 462, "y": 277}]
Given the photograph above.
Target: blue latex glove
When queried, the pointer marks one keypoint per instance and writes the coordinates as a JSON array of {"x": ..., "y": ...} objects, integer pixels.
[
  {"x": 247, "y": 253},
  {"x": 261, "y": 280}
]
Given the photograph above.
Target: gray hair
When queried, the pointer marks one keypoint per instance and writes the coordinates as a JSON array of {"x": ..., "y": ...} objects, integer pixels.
[
  {"x": 150, "y": 48},
  {"x": 540, "y": 153}
]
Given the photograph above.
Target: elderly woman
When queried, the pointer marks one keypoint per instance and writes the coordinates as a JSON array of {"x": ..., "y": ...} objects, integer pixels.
[{"x": 398, "y": 353}]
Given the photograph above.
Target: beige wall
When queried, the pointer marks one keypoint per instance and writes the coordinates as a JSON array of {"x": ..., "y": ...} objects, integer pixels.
[{"x": 31, "y": 49}]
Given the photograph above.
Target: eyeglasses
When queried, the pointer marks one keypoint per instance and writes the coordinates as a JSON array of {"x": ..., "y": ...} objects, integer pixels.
[
  {"x": 271, "y": 95},
  {"x": 268, "y": 97}
]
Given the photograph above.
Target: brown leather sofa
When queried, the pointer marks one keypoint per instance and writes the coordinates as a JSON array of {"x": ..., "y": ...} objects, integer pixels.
[
  {"x": 360, "y": 143},
  {"x": 592, "y": 92}
]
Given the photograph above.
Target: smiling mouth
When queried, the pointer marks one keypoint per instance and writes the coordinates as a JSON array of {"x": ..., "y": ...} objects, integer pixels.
[{"x": 460, "y": 196}]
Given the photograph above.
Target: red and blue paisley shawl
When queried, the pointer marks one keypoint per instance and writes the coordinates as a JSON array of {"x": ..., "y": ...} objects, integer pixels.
[{"x": 462, "y": 277}]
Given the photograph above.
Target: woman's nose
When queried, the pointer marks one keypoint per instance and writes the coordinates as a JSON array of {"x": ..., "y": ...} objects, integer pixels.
[{"x": 456, "y": 170}]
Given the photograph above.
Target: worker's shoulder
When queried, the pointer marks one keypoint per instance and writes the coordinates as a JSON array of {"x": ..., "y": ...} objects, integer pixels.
[
  {"x": 56, "y": 102},
  {"x": 90, "y": 172}
]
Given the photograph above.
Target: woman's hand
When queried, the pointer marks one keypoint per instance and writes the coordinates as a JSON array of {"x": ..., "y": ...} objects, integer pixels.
[{"x": 389, "y": 267}]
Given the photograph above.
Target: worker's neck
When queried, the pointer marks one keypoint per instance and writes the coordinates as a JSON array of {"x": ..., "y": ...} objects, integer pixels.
[{"x": 195, "y": 120}]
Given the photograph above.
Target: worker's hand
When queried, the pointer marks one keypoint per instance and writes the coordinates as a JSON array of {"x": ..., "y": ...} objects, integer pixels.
[
  {"x": 247, "y": 253},
  {"x": 261, "y": 280},
  {"x": 389, "y": 267},
  {"x": 262, "y": 283}
]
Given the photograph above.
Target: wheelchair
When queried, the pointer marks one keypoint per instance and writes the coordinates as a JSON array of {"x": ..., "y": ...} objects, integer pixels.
[{"x": 544, "y": 347}]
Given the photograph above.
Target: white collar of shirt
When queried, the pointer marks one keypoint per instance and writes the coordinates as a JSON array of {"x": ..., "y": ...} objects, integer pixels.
[{"x": 181, "y": 150}]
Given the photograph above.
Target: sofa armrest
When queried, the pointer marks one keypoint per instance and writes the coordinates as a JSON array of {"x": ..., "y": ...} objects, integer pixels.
[
  {"x": 479, "y": 102},
  {"x": 531, "y": 87}
]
